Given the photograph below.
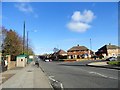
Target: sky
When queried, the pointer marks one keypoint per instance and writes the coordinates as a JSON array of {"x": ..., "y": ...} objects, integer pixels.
[{"x": 63, "y": 24}]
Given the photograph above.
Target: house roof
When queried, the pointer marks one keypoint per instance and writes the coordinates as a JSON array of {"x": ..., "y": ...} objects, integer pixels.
[
  {"x": 22, "y": 55},
  {"x": 60, "y": 52},
  {"x": 76, "y": 48},
  {"x": 110, "y": 47}
]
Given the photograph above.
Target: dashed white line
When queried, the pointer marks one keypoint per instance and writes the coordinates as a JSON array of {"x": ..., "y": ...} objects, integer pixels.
[
  {"x": 50, "y": 77},
  {"x": 113, "y": 78},
  {"x": 61, "y": 85},
  {"x": 98, "y": 74},
  {"x": 102, "y": 75}
]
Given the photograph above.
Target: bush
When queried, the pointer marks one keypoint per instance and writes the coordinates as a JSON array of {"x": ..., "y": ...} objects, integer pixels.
[{"x": 114, "y": 63}]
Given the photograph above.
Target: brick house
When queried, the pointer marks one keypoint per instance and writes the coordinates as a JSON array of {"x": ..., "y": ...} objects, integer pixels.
[
  {"x": 78, "y": 52},
  {"x": 108, "y": 51},
  {"x": 61, "y": 54}
]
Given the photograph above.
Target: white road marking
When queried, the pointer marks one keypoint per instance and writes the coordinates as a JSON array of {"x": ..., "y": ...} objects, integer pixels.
[
  {"x": 113, "y": 78},
  {"x": 61, "y": 85},
  {"x": 50, "y": 77},
  {"x": 92, "y": 72},
  {"x": 102, "y": 75},
  {"x": 98, "y": 74}
]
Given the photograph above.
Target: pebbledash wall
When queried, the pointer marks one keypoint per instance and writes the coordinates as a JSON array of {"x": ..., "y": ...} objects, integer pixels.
[{"x": 113, "y": 52}]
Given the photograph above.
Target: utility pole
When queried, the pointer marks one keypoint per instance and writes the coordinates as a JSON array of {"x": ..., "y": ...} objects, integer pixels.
[
  {"x": 24, "y": 38},
  {"x": 90, "y": 45},
  {"x": 90, "y": 49},
  {"x": 27, "y": 42}
]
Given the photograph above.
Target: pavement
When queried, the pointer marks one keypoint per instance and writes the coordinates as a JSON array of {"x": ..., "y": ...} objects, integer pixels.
[
  {"x": 103, "y": 65},
  {"x": 27, "y": 77}
]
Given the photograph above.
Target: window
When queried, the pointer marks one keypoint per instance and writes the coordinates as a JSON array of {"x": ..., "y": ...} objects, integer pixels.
[{"x": 21, "y": 60}]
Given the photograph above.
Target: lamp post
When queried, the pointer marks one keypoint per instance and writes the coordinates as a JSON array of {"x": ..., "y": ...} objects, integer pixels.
[
  {"x": 90, "y": 46},
  {"x": 27, "y": 42}
]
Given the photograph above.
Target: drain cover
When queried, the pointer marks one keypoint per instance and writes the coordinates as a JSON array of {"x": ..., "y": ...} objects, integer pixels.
[{"x": 29, "y": 71}]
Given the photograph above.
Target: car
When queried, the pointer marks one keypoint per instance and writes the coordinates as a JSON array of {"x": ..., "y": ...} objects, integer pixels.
[
  {"x": 111, "y": 59},
  {"x": 36, "y": 62},
  {"x": 48, "y": 60}
]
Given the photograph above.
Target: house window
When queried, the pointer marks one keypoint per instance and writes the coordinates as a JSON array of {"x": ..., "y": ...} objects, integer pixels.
[{"x": 21, "y": 60}]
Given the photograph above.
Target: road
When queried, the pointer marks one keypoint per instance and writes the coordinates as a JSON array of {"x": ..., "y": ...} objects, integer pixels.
[{"x": 78, "y": 75}]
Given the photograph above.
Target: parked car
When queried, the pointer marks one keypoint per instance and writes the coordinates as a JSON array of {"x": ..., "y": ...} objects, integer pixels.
[
  {"x": 48, "y": 60},
  {"x": 111, "y": 59},
  {"x": 36, "y": 62}
]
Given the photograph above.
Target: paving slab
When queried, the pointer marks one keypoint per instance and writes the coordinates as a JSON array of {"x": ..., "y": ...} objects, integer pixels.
[{"x": 28, "y": 77}]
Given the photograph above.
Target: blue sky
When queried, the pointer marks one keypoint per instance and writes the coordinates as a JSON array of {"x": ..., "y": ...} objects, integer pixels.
[{"x": 63, "y": 25}]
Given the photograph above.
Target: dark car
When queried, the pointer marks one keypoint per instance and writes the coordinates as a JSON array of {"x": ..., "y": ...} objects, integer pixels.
[
  {"x": 111, "y": 59},
  {"x": 37, "y": 63}
]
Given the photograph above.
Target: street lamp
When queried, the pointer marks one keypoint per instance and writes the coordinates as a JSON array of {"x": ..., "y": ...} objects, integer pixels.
[
  {"x": 90, "y": 46},
  {"x": 90, "y": 51},
  {"x": 28, "y": 40}
]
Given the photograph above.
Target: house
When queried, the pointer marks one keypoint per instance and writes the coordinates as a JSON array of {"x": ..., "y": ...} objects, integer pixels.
[
  {"x": 60, "y": 54},
  {"x": 108, "y": 50},
  {"x": 77, "y": 52}
]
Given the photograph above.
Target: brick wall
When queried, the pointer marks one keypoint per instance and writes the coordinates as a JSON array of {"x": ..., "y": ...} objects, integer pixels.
[{"x": 11, "y": 64}]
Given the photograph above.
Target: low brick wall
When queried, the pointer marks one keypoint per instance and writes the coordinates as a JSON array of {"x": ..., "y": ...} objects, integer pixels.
[
  {"x": 81, "y": 59},
  {"x": 69, "y": 60},
  {"x": 11, "y": 64}
]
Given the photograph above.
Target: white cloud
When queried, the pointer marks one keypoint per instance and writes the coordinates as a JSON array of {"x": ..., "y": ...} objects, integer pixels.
[
  {"x": 78, "y": 26},
  {"x": 87, "y": 16},
  {"x": 80, "y": 21},
  {"x": 26, "y": 8},
  {"x": 76, "y": 16}
]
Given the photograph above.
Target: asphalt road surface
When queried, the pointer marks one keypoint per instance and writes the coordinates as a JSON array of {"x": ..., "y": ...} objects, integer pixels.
[{"x": 78, "y": 75}]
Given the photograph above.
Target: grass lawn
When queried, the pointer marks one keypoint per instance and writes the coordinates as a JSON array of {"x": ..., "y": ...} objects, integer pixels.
[{"x": 114, "y": 63}]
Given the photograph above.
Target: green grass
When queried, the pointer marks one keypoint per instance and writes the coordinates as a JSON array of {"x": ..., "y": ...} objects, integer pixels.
[{"x": 114, "y": 63}]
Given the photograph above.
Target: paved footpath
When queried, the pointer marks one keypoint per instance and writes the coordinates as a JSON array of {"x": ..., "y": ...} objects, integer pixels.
[
  {"x": 28, "y": 77},
  {"x": 103, "y": 65}
]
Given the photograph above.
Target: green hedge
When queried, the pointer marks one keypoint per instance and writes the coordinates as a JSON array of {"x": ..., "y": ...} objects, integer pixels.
[{"x": 114, "y": 63}]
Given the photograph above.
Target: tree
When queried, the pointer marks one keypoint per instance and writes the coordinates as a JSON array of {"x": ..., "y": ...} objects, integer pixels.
[
  {"x": 3, "y": 32},
  {"x": 55, "y": 53},
  {"x": 28, "y": 51},
  {"x": 12, "y": 44},
  {"x": 55, "y": 49}
]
